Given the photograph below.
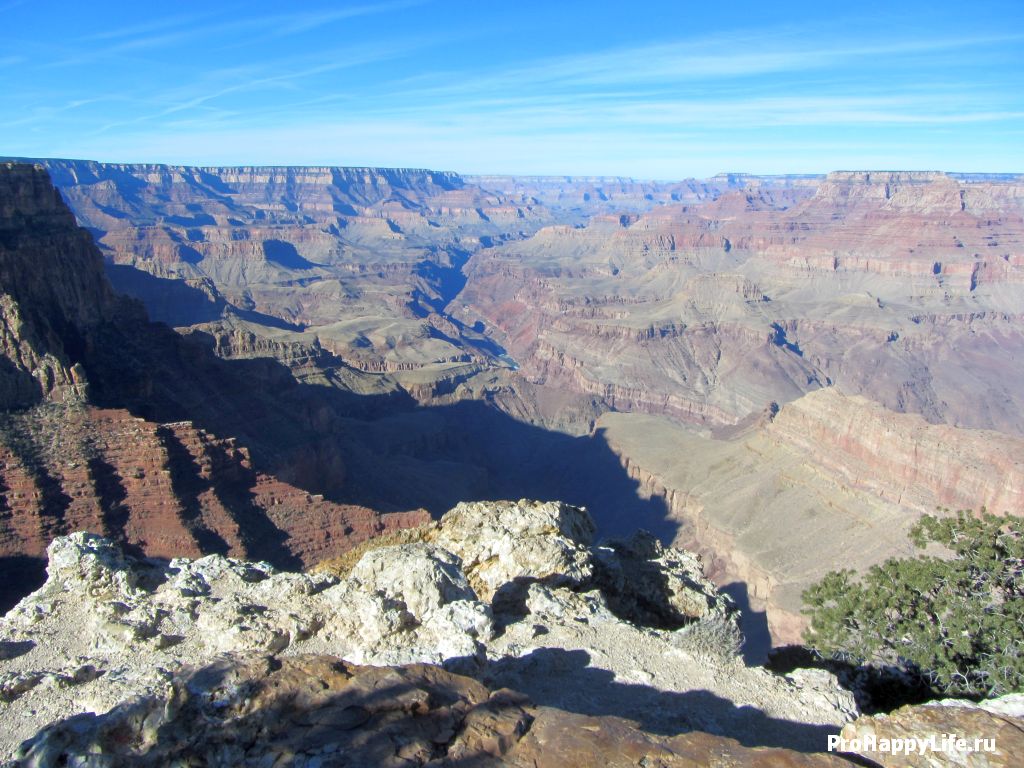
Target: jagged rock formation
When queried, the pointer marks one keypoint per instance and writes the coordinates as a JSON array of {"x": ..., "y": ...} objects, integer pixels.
[
  {"x": 146, "y": 642},
  {"x": 105, "y": 628}
]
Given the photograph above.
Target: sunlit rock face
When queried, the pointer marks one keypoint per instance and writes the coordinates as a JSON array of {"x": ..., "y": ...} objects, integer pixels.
[
  {"x": 233, "y": 662},
  {"x": 904, "y": 287},
  {"x": 573, "y": 625}
]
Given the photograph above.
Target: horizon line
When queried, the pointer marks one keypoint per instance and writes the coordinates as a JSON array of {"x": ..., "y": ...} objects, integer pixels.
[{"x": 565, "y": 176}]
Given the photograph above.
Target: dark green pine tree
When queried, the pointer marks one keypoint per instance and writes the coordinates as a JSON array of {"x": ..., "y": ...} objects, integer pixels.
[{"x": 955, "y": 620}]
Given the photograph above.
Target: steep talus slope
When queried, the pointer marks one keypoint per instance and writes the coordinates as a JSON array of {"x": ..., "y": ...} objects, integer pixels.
[{"x": 900, "y": 457}]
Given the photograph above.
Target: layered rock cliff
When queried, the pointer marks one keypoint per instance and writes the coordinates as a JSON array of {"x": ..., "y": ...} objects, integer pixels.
[
  {"x": 901, "y": 458},
  {"x": 830, "y": 481},
  {"x": 166, "y": 489},
  {"x": 906, "y": 288}
]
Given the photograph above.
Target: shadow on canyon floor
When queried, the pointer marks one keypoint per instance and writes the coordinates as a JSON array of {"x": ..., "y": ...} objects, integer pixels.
[
  {"x": 395, "y": 453},
  {"x": 757, "y": 638},
  {"x": 384, "y": 451},
  {"x": 175, "y": 302}
]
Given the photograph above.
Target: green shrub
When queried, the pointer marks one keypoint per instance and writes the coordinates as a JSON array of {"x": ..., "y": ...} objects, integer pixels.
[{"x": 956, "y": 621}]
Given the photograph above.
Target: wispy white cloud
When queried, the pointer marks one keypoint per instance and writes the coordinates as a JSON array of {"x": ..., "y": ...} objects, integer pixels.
[
  {"x": 692, "y": 60},
  {"x": 45, "y": 114},
  {"x": 658, "y": 104},
  {"x": 295, "y": 23},
  {"x": 147, "y": 28},
  {"x": 238, "y": 80},
  {"x": 225, "y": 34},
  {"x": 169, "y": 31}
]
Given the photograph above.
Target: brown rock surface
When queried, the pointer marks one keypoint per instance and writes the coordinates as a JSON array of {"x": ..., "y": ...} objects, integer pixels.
[
  {"x": 320, "y": 710},
  {"x": 989, "y": 735}
]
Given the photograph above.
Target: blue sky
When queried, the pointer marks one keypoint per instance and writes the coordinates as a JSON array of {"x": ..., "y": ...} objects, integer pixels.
[{"x": 662, "y": 90}]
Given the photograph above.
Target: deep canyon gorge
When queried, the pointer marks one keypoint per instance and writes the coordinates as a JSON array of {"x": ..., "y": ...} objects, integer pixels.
[{"x": 781, "y": 373}]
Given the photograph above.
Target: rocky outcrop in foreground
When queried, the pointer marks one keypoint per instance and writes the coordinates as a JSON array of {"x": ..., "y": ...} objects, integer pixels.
[
  {"x": 547, "y": 651},
  {"x": 512, "y": 593},
  {"x": 541, "y": 649}
]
